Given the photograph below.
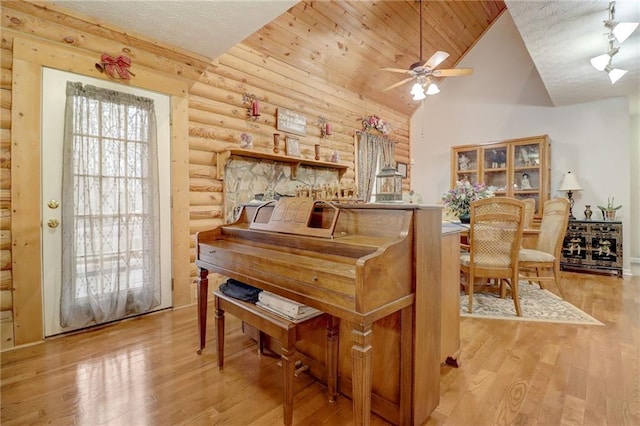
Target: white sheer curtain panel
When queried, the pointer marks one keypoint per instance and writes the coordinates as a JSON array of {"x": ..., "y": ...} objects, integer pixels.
[
  {"x": 110, "y": 209},
  {"x": 374, "y": 152}
]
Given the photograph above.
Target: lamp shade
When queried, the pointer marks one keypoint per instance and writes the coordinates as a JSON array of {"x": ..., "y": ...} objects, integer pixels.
[
  {"x": 433, "y": 89},
  {"x": 418, "y": 96},
  {"x": 601, "y": 62},
  {"x": 621, "y": 30},
  {"x": 615, "y": 74},
  {"x": 569, "y": 183}
]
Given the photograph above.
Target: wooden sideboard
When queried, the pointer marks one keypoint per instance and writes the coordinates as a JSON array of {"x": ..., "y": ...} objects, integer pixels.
[{"x": 593, "y": 246}]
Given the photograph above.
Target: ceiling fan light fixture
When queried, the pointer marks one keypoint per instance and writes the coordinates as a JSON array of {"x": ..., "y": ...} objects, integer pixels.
[
  {"x": 433, "y": 89},
  {"x": 417, "y": 88},
  {"x": 419, "y": 94}
]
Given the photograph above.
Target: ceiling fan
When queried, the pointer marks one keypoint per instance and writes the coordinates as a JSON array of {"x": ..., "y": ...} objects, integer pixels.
[{"x": 423, "y": 72}]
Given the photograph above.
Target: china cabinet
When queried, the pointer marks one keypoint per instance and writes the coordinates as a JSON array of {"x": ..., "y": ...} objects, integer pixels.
[{"x": 518, "y": 168}]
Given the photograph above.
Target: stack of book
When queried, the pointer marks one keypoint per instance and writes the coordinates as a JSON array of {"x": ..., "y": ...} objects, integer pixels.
[{"x": 286, "y": 308}]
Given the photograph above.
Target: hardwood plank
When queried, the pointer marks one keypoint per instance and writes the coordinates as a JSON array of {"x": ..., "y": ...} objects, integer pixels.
[{"x": 146, "y": 370}]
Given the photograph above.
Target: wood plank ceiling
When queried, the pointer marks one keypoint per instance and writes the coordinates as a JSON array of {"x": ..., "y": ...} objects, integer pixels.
[{"x": 348, "y": 42}]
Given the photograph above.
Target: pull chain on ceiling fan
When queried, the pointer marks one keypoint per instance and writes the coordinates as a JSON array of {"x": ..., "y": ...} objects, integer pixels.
[{"x": 423, "y": 73}]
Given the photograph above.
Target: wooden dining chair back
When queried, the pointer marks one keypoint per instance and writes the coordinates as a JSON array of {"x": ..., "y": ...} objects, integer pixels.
[
  {"x": 529, "y": 212},
  {"x": 495, "y": 235},
  {"x": 546, "y": 255}
]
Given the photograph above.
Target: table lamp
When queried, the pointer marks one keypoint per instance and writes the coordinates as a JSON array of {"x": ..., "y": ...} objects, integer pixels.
[{"x": 569, "y": 184}]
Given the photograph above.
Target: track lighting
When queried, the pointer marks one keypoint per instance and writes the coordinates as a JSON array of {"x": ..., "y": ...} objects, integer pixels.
[
  {"x": 618, "y": 31},
  {"x": 600, "y": 62},
  {"x": 614, "y": 73}
]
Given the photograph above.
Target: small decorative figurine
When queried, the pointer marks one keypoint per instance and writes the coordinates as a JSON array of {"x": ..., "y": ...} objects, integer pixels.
[
  {"x": 463, "y": 162},
  {"x": 246, "y": 141}
]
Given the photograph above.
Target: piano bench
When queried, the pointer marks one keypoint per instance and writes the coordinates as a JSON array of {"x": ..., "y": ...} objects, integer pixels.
[{"x": 287, "y": 333}]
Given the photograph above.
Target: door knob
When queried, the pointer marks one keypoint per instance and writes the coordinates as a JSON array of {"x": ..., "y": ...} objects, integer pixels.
[
  {"x": 53, "y": 204},
  {"x": 53, "y": 223}
]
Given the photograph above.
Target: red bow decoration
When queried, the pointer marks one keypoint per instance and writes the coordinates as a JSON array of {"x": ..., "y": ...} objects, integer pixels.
[{"x": 115, "y": 67}]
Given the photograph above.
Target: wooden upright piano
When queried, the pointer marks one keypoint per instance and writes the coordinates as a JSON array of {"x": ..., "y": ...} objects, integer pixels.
[{"x": 375, "y": 266}]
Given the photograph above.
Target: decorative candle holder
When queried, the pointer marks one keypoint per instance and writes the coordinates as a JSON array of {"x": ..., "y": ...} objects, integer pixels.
[
  {"x": 253, "y": 105},
  {"x": 276, "y": 143},
  {"x": 317, "y": 151},
  {"x": 325, "y": 127}
]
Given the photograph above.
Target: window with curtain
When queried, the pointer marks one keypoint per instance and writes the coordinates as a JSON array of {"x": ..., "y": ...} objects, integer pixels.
[
  {"x": 374, "y": 153},
  {"x": 110, "y": 207}
]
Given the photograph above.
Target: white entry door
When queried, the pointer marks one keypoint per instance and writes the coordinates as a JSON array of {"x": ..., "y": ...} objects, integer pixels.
[{"x": 53, "y": 116}]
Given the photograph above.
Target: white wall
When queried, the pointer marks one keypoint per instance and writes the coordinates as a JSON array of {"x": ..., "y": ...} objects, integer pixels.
[{"x": 504, "y": 98}]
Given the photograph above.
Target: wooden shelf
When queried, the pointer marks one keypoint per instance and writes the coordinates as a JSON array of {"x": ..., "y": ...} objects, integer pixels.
[{"x": 293, "y": 161}]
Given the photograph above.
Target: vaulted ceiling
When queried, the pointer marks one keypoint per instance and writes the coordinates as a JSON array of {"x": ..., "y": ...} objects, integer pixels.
[
  {"x": 347, "y": 42},
  {"x": 343, "y": 42}
]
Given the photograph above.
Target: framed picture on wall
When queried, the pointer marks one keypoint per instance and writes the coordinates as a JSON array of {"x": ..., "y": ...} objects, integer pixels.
[
  {"x": 402, "y": 169},
  {"x": 292, "y": 147}
]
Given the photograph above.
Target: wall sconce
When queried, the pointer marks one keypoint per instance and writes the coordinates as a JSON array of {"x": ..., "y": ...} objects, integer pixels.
[
  {"x": 326, "y": 129},
  {"x": 253, "y": 105}
]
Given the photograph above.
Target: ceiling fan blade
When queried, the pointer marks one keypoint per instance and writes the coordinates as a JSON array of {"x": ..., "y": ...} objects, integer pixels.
[
  {"x": 396, "y": 70},
  {"x": 436, "y": 59},
  {"x": 453, "y": 72},
  {"x": 400, "y": 83}
]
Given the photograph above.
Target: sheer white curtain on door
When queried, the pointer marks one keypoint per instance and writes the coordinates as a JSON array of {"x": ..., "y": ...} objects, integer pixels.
[{"x": 110, "y": 213}]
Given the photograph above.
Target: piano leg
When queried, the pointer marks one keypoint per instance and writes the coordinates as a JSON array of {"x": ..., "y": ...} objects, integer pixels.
[
  {"x": 333, "y": 333},
  {"x": 202, "y": 293},
  {"x": 361, "y": 336},
  {"x": 288, "y": 373}
]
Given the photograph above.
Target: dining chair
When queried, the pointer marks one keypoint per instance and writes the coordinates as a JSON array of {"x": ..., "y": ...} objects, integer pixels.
[
  {"x": 529, "y": 211},
  {"x": 495, "y": 235},
  {"x": 547, "y": 252}
]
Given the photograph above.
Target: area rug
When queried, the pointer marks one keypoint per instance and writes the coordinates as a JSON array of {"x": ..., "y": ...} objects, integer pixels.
[{"x": 536, "y": 304}]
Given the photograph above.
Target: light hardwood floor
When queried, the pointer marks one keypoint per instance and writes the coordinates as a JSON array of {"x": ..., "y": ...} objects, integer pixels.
[{"x": 145, "y": 371}]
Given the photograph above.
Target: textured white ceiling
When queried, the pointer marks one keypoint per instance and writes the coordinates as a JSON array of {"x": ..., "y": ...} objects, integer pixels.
[
  {"x": 560, "y": 35},
  {"x": 206, "y": 27}
]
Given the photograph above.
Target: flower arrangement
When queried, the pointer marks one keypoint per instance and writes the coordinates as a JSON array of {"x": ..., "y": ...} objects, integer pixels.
[
  {"x": 373, "y": 122},
  {"x": 459, "y": 198}
]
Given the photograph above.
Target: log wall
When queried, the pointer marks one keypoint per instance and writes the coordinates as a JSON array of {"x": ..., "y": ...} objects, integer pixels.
[{"x": 216, "y": 118}]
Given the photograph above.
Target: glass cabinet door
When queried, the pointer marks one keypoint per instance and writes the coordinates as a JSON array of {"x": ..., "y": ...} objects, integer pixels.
[
  {"x": 526, "y": 176},
  {"x": 466, "y": 165},
  {"x": 495, "y": 169}
]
